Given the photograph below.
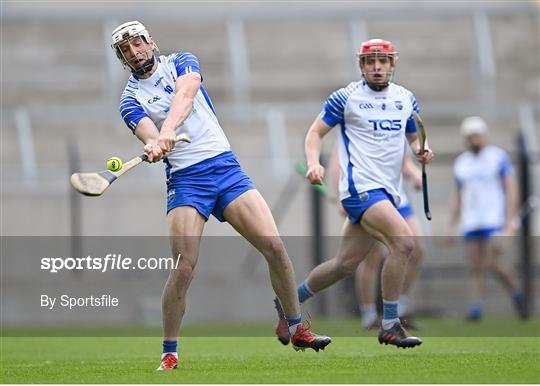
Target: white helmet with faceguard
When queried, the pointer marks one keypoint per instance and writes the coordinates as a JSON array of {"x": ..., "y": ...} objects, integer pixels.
[
  {"x": 126, "y": 32},
  {"x": 378, "y": 48},
  {"x": 473, "y": 125}
]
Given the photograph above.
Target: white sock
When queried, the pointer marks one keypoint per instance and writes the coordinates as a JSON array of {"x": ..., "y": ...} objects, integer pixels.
[
  {"x": 292, "y": 329},
  {"x": 369, "y": 314},
  {"x": 173, "y": 353},
  {"x": 387, "y": 324},
  {"x": 402, "y": 305}
]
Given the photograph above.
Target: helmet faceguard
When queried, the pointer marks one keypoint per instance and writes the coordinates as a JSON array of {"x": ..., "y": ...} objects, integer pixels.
[
  {"x": 377, "y": 50},
  {"x": 124, "y": 33}
]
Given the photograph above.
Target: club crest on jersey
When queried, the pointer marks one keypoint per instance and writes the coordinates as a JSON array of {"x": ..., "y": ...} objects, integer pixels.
[
  {"x": 170, "y": 195},
  {"x": 158, "y": 81},
  {"x": 399, "y": 105},
  {"x": 364, "y": 196}
]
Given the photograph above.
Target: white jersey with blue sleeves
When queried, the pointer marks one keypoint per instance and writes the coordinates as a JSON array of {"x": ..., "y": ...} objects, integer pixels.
[
  {"x": 479, "y": 178},
  {"x": 152, "y": 98},
  {"x": 372, "y": 140}
]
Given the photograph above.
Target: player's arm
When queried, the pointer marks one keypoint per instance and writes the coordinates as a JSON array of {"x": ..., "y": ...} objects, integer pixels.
[
  {"x": 316, "y": 132},
  {"x": 411, "y": 172},
  {"x": 186, "y": 88},
  {"x": 414, "y": 143},
  {"x": 455, "y": 209},
  {"x": 137, "y": 120},
  {"x": 413, "y": 139},
  {"x": 333, "y": 166},
  {"x": 148, "y": 133},
  {"x": 511, "y": 194}
]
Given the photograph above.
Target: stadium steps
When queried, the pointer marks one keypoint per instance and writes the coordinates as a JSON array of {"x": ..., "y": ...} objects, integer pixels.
[
  {"x": 288, "y": 64},
  {"x": 436, "y": 66}
]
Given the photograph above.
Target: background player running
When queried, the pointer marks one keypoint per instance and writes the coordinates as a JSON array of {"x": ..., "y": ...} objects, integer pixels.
[
  {"x": 163, "y": 95},
  {"x": 375, "y": 119},
  {"x": 485, "y": 201}
]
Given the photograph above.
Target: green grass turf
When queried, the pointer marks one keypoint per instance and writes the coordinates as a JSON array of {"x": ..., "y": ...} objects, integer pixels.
[
  {"x": 264, "y": 360},
  {"x": 440, "y": 327}
]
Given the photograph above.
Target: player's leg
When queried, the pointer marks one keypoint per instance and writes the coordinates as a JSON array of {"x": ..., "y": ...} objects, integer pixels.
[
  {"x": 504, "y": 275},
  {"x": 493, "y": 263},
  {"x": 384, "y": 223},
  {"x": 250, "y": 216},
  {"x": 474, "y": 249},
  {"x": 366, "y": 285},
  {"x": 240, "y": 204},
  {"x": 355, "y": 244},
  {"x": 185, "y": 228},
  {"x": 411, "y": 273}
]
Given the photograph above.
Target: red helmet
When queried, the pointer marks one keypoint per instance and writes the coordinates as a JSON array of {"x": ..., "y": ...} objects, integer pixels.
[{"x": 377, "y": 46}]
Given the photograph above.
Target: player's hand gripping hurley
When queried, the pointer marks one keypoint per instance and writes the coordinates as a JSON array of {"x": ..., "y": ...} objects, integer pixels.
[
  {"x": 424, "y": 175},
  {"x": 94, "y": 184}
]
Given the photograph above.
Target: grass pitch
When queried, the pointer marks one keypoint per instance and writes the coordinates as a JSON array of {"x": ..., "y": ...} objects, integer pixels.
[{"x": 264, "y": 360}]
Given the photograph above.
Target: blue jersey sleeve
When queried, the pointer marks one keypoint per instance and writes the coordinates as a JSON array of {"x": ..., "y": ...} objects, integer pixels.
[
  {"x": 505, "y": 168},
  {"x": 411, "y": 123},
  {"x": 334, "y": 106},
  {"x": 415, "y": 104},
  {"x": 132, "y": 111},
  {"x": 186, "y": 63}
]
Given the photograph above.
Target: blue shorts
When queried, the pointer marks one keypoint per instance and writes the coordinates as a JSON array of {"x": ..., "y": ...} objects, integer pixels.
[
  {"x": 208, "y": 186},
  {"x": 356, "y": 206},
  {"x": 405, "y": 211},
  {"x": 482, "y": 234}
]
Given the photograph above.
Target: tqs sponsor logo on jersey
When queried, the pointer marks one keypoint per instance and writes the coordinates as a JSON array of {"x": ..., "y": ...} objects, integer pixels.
[
  {"x": 154, "y": 100},
  {"x": 386, "y": 124},
  {"x": 366, "y": 106}
]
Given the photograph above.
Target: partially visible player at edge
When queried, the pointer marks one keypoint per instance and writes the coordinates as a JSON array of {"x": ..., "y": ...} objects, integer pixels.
[
  {"x": 164, "y": 96},
  {"x": 485, "y": 203},
  {"x": 375, "y": 119}
]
